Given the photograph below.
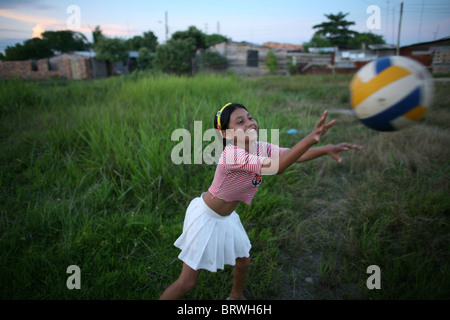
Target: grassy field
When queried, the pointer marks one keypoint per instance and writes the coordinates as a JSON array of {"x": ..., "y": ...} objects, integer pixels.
[{"x": 87, "y": 179}]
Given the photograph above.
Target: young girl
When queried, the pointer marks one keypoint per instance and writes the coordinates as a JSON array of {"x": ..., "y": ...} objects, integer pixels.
[{"x": 213, "y": 235}]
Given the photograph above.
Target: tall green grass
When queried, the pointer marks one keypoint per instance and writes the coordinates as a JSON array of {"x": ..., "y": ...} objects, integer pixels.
[{"x": 87, "y": 179}]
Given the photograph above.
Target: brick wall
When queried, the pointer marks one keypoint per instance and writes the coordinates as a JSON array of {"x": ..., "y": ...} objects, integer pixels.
[
  {"x": 24, "y": 70},
  {"x": 68, "y": 67}
]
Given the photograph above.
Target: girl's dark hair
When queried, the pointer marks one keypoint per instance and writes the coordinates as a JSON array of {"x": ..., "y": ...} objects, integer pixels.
[{"x": 225, "y": 117}]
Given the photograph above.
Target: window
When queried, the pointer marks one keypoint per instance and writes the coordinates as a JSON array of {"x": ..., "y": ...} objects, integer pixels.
[
  {"x": 34, "y": 65},
  {"x": 52, "y": 65},
  {"x": 252, "y": 58}
]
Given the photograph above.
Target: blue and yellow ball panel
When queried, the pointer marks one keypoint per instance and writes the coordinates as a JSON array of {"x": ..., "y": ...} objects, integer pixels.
[{"x": 391, "y": 93}]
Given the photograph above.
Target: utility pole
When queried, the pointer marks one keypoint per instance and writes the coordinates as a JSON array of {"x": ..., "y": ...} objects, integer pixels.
[
  {"x": 167, "y": 28},
  {"x": 399, "y": 29},
  {"x": 420, "y": 21},
  {"x": 393, "y": 24}
]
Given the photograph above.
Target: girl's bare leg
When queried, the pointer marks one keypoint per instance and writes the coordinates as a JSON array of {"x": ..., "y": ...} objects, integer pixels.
[
  {"x": 239, "y": 274},
  {"x": 185, "y": 283}
]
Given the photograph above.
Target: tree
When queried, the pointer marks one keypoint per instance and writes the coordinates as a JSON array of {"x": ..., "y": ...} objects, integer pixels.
[
  {"x": 111, "y": 50},
  {"x": 51, "y": 42},
  {"x": 97, "y": 35},
  {"x": 178, "y": 54},
  {"x": 208, "y": 60},
  {"x": 271, "y": 62},
  {"x": 366, "y": 38},
  {"x": 34, "y": 48},
  {"x": 212, "y": 39},
  {"x": 65, "y": 40},
  {"x": 175, "y": 56},
  {"x": 317, "y": 41},
  {"x": 198, "y": 38},
  {"x": 336, "y": 30},
  {"x": 145, "y": 58},
  {"x": 148, "y": 40}
]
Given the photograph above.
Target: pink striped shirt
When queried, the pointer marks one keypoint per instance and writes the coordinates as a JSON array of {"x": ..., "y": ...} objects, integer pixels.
[{"x": 238, "y": 173}]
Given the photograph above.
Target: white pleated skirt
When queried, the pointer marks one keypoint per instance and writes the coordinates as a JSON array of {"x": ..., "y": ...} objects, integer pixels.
[{"x": 211, "y": 241}]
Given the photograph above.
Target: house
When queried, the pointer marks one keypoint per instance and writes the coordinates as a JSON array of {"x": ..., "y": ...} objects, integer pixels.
[
  {"x": 249, "y": 59},
  {"x": 75, "y": 65},
  {"x": 245, "y": 58},
  {"x": 383, "y": 50},
  {"x": 435, "y": 55}
]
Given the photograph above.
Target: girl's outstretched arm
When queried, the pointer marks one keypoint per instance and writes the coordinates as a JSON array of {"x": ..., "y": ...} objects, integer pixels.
[
  {"x": 286, "y": 159},
  {"x": 332, "y": 150}
]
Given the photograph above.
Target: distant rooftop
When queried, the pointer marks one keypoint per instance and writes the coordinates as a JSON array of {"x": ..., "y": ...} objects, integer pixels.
[{"x": 287, "y": 46}]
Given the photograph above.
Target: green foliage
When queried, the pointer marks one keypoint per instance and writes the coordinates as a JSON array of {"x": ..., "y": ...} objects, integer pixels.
[
  {"x": 215, "y": 38},
  {"x": 111, "y": 50},
  {"x": 35, "y": 48},
  {"x": 366, "y": 38},
  {"x": 65, "y": 40},
  {"x": 52, "y": 41},
  {"x": 211, "y": 60},
  {"x": 197, "y": 37},
  {"x": 97, "y": 35},
  {"x": 175, "y": 56},
  {"x": 336, "y": 30},
  {"x": 271, "y": 62},
  {"x": 317, "y": 41},
  {"x": 145, "y": 59},
  {"x": 147, "y": 40}
]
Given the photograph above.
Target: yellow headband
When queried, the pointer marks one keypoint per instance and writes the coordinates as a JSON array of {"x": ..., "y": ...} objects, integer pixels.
[{"x": 219, "y": 113}]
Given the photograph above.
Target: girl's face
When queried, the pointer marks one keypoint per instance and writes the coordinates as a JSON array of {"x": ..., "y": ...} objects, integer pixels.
[{"x": 242, "y": 126}]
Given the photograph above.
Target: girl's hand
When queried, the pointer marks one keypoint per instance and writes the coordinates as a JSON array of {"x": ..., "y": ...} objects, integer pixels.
[
  {"x": 335, "y": 150},
  {"x": 321, "y": 128}
]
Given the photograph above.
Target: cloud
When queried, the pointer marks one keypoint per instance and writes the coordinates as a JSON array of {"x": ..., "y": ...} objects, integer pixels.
[
  {"x": 116, "y": 29},
  {"x": 30, "y": 4},
  {"x": 37, "y": 31},
  {"x": 42, "y": 23},
  {"x": 27, "y": 18}
]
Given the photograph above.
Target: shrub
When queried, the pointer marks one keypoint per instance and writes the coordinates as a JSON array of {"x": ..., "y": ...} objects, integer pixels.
[
  {"x": 271, "y": 62},
  {"x": 211, "y": 60}
]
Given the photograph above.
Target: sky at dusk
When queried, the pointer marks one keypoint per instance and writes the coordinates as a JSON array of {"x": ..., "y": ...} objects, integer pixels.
[{"x": 255, "y": 21}]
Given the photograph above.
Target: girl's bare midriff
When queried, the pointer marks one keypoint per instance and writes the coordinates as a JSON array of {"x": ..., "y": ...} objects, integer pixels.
[{"x": 218, "y": 205}]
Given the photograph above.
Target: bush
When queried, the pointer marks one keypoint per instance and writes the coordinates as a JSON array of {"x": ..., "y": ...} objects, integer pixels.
[
  {"x": 111, "y": 50},
  {"x": 175, "y": 56},
  {"x": 211, "y": 60},
  {"x": 271, "y": 62},
  {"x": 145, "y": 58}
]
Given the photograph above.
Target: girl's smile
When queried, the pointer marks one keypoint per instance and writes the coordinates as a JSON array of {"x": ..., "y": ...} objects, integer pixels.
[{"x": 243, "y": 128}]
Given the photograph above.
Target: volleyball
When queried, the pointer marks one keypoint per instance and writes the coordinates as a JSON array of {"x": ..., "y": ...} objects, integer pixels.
[{"x": 391, "y": 93}]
